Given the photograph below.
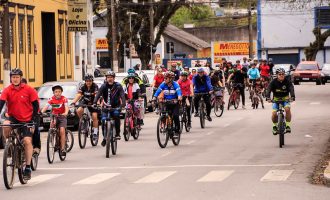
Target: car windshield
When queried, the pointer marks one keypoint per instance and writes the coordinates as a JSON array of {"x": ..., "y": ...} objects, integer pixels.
[
  {"x": 307, "y": 67},
  {"x": 69, "y": 91}
]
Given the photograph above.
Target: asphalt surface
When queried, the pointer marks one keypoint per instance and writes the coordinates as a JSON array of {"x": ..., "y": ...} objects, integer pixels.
[{"x": 234, "y": 157}]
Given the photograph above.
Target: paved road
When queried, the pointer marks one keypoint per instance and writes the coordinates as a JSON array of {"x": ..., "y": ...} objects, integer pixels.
[{"x": 234, "y": 157}]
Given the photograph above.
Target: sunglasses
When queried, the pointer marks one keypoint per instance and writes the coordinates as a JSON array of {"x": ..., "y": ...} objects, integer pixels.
[{"x": 281, "y": 74}]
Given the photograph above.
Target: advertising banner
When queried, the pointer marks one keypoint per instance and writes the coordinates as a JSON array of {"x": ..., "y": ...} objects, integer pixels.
[{"x": 77, "y": 15}]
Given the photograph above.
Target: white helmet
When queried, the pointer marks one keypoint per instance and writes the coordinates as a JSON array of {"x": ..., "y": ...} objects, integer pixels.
[{"x": 97, "y": 66}]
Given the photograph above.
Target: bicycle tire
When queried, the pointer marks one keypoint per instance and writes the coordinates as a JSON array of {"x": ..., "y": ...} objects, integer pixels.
[
  {"x": 69, "y": 140},
  {"x": 218, "y": 107},
  {"x": 107, "y": 149},
  {"x": 281, "y": 130},
  {"x": 21, "y": 165},
  {"x": 237, "y": 100},
  {"x": 162, "y": 130},
  {"x": 34, "y": 161},
  {"x": 51, "y": 145},
  {"x": 127, "y": 131},
  {"x": 202, "y": 115},
  {"x": 185, "y": 123},
  {"x": 8, "y": 179},
  {"x": 136, "y": 130},
  {"x": 176, "y": 140},
  {"x": 82, "y": 132},
  {"x": 95, "y": 141},
  {"x": 113, "y": 140}
]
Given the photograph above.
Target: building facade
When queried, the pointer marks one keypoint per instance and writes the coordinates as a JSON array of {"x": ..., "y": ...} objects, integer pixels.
[
  {"x": 40, "y": 44},
  {"x": 286, "y": 29}
]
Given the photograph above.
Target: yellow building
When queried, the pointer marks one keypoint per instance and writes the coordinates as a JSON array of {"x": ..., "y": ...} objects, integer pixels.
[{"x": 40, "y": 44}]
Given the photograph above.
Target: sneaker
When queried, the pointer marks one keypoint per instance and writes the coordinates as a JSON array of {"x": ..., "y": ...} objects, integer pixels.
[
  {"x": 118, "y": 137},
  {"x": 209, "y": 118},
  {"x": 243, "y": 107},
  {"x": 27, "y": 173},
  {"x": 36, "y": 150},
  {"x": 156, "y": 111},
  {"x": 275, "y": 130},
  {"x": 196, "y": 114},
  {"x": 63, "y": 152},
  {"x": 288, "y": 129},
  {"x": 103, "y": 142}
]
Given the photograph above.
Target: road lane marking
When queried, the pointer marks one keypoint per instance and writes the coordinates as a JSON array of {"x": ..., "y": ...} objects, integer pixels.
[
  {"x": 277, "y": 175},
  {"x": 216, "y": 176},
  {"x": 95, "y": 179},
  {"x": 168, "y": 166},
  {"x": 166, "y": 154},
  {"x": 315, "y": 103},
  {"x": 226, "y": 125},
  {"x": 190, "y": 142},
  {"x": 156, "y": 177},
  {"x": 39, "y": 179},
  {"x": 210, "y": 133}
]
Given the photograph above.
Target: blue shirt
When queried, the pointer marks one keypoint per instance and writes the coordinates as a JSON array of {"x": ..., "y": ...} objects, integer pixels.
[
  {"x": 253, "y": 73},
  {"x": 170, "y": 92},
  {"x": 202, "y": 84}
]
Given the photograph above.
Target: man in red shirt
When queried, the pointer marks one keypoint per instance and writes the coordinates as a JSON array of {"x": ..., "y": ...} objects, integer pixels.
[
  {"x": 187, "y": 90},
  {"x": 264, "y": 70},
  {"x": 22, "y": 107},
  {"x": 158, "y": 79},
  {"x": 60, "y": 108}
]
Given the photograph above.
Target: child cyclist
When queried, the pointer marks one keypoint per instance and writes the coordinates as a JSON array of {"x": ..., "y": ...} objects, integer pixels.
[{"x": 60, "y": 108}]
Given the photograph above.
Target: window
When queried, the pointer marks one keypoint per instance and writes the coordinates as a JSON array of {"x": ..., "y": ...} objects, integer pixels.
[
  {"x": 12, "y": 34},
  {"x": 60, "y": 28},
  {"x": 21, "y": 34},
  {"x": 322, "y": 17},
  {"x": 29, "y": 36}
]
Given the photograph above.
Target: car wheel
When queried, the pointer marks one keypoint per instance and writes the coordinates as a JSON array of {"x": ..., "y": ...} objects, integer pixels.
[
  {"x": 296, "y": 83},
  {"x": 318, "y": 82},
  {"x": 2, "y": 140}
]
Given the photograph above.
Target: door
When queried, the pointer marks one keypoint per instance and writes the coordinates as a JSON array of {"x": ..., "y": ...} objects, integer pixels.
[{"x": 48, "y": 47}]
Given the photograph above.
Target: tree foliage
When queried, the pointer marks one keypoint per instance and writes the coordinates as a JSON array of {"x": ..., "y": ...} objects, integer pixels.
[{"x": 318, "y": 44}]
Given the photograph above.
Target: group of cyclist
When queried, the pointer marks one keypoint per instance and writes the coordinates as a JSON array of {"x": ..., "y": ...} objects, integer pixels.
[{"x": 177, "y": 83}]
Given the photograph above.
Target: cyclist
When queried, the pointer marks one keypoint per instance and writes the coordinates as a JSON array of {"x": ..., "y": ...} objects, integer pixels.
[
  {"x": 239, "y": 79},
  {"x": 175, "y": 71},
  {"x": 253, "y": 74},
  {"x": 245, "y": 63},
  {"x": 88, "y": 91},
  {"x": 158, "y": 79},
  {"x": 186, "y": 69},
  {"x": 271, "y": 65},
  {"x": 114, "y": 97},
  {"x": 187, "y": 92},
  {"x": 171, "y": 91},
  {"x": 281, "y": 87},
  {"x": 193, "y": 73},
  {"x": 259, "y": 88},
  {"x": 60, "y": 108},
  {"x": 133, "y": 92},
  {"x": 238, "y": 64},
  {"x": 202, "y": 84},
  {"x": 22, "y": 107}
]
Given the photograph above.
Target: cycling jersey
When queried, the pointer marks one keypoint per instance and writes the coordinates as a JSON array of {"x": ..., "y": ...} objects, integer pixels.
[
  {"x": 132, "y": 91},
  {"x": 202, "y": 84},
  {"x": 264, "y": 70},
  {"x": 185, "y": 87},
  {"x": 158, "y": 80},
  {"x": 112, "y": 94},
  {"x": 280, "y": 89},
  {"x": 215, "y": 80},
  {"x": 253, "y": 73},
  {"x": 239, "y": 77},
  {"x": 170, "y": 92},
  {"x": 89, "y": 94},
  {"x": 58, "y": 104},
  {"x": 246, "y": 65}
]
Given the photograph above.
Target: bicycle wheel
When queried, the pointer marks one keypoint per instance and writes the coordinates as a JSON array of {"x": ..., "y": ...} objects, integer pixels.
[
  {"x": 162, "y": 132},
  {"x": 8, "y": 164},
  {"x": 176, "y": 140},
  {"x": 237, "y": 100},
  {"x": 136, "y": 129},
  {"x": 202, "y": 114},
  {"x": 113, "y": 139},
  {"x": 185, "y": 122},
  {"x": 127, "y": 131},
  {"x": 218, "y": 107},
  {"x": 107, "y": 132},
  {"x": 34, "y": 161},
  {"x": 281, "y": 130},
  {"x": 21, "y": 165},
  {"x": 69, "y": 140},
  {"x": 82, "y": 132},
  {"x": 95, "y": 140},
  {"x": 51, "y": 145},
  {"x": 230, "y": 101}
]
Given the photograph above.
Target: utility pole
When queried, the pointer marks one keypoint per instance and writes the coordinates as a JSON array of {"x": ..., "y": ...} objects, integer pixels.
[
  {"x": 6, "y": 44},
  {"x": 113, "y": 36},
  {"x": 250, "y": 31},
  {"x": 151, "y": 16}
]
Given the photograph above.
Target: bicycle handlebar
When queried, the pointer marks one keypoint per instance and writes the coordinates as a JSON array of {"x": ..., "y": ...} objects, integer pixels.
[{"x": 15, "y": 126}]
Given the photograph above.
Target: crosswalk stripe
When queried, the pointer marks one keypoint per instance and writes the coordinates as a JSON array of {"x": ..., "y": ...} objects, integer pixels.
[
  {"x": 216, "y": 176},
  {"x": 95, "y": 179},
  {"x": 156, "y": 177},
  {"x": 40, "y": 179},
  {"x": 276, "y": 175}
]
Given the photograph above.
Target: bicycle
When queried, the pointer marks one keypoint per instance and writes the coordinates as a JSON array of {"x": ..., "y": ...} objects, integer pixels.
[
  {"x": 165, "y": 125},
  {"x": 281, "y": 126},
  {"x": 256, "y": 98},
  {"x": 85, "y": 128},
  {"x": 217, "y": 101},
  {"x": 202, "y": 108},
  {"x": 131, "y": 126},
  {"x": 53, "y": 141},
  {"x": 234, "y": 97},
  {"x": 111, "y": 140},
  {"x": 184, "y": 115},
  {"x": 14, "y": 155}
]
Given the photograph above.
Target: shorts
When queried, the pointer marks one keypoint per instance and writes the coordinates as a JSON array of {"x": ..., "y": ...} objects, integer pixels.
[
  {"x": 24, "y": 130},
  {"x": 115, "y": 113},
  {"x": 285, "y": 104},
  {"x": 61, "y": 121}
]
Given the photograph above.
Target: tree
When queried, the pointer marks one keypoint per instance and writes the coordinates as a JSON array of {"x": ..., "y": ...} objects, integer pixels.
[{"x": 318, "y": 44}]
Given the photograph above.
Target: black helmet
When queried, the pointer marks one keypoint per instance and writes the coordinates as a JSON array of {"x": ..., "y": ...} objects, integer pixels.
[
  {"x": 57, "y": 87},
  {"x": 110, "y": 73},
  {"x": 280, "y": 70},
  {"x": 16, "y": 71},
  {"x": 89, "y": 77}
]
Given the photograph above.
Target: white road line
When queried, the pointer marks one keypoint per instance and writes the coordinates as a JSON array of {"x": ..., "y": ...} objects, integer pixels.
[
  {"x": 156, "y": 177},
  {"x": 277, "y": 175},
  {"x": 226, "y": 125},
  {"x": 168, "y": 166},
  {"x": 190, "y": 142},
  {"x": 95, "y": 179},
  {"x": 210, "y": 133},
  {"x": 216, "y": 176},
  {"x": 315, "y": 103},
  {"x": 39, "y": 179},
  {"x": 166, "y": 154}
]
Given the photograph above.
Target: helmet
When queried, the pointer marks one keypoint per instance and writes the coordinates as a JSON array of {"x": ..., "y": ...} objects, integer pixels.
[
  {"x": 16, "y": 71},
  {"x": 110, "y": 73},
  {"x": 169, "y": 74},
  {"x": 201, "y": 69},
  {"x": 57, "y": 87},
  {"x": 185, "y": 67},
  {"x": 89, "y": 77},
  {"x": 184, "y": 74},
  {"x": 130, "y": 75},
  {"x": 97, "y": 66},
  {"x": 131, "y": 71},
  {"x": 280, "y": 70}
]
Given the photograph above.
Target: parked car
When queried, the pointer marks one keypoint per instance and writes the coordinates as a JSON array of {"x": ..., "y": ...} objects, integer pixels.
[
  {"x": 70, "y": 89},
  {"x": 289, "y": 68},
  {"x": 325, "y": 73},
  {"x": 307, "y": 71}
]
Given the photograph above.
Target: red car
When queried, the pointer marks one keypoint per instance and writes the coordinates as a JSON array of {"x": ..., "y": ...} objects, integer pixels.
[{"x": 307, "y": 71}]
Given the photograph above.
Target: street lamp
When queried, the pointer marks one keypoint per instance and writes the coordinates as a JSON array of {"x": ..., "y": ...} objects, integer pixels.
[{"x": 130, "y": 36}]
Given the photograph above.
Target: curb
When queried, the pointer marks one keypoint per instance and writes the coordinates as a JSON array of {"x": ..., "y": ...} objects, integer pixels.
[{"x": 327, "y": 174}]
